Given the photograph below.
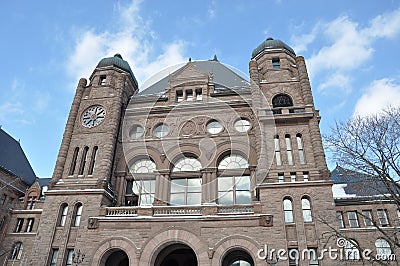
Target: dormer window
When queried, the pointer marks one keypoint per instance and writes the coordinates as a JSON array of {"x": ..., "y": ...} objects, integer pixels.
[
  {"x": 103, "y": 80},
  {"x": 199, "y": 95},
  {"x": 189, "y": 95},
  {"x": 276, "y": 63},
  {"x": 179, "y": 96}
]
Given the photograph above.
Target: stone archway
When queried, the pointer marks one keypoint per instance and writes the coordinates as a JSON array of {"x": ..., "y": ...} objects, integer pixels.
[
  {"x": 176, "y": 255},
  {"x": 115, "y": 257}
]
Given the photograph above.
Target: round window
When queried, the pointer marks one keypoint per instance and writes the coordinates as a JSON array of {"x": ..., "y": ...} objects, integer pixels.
[
  {"x": 214, "y": 127},
  {"x": 242, "y": 125},
  {"x": 136, "y": 132},
  {"x": 161, "y": 130}
]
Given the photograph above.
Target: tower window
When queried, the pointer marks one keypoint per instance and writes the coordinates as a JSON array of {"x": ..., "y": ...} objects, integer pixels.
[
  {"x": 276, "y": 63},
  {"x": 189, "y": 95},
  {"x": 282, "y": 100},
  {"x": 63, "y": 215},
  {"x": 289, "y": 150},
  {"x": 277, "y": 151},
  {"x": 29, "y": 226},
  {"x": 73, "y": 164},
  {"x": 288, "y": 210},
  {"x": 281, "y": 178},
  {"x": 78, "y": 214},
  {"x": 20, "y": 222},
  {"x": 199, "y": 95},
  {"x": 179, "y": 96},
  {"x": 93, "y": 161},
  {"x": 103, "y": 80},
  {"x": 54, "y": 255},
  {"x": 83, "y": 161},
  {"x": 300, "y": 148},
  {"x": 353, "y": 220},
  {"x": 17, "y": 251},
  {"x": 306, "y": 207}
]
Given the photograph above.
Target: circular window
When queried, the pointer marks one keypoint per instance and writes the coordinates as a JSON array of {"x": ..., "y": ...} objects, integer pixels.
[
  {"x": 214, "y": 127},
  {"x": 161, "y": 130},
  {"x": 242, "y": 125},
  {"x": 136, "y": 132}
]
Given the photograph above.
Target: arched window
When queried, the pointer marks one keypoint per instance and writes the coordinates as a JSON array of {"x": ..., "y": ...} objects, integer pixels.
[
  {"x": 237, "y": 257},
  {"x": 93, "y": 160},
  {"x": 351, "y": 251},
  {"x": 83, "y": 160},
  {"x": 63, "y": 214},
  {"x": 300, "y": 148},
  {"x": 277, "y": 151},
  {"x": 187, "y": 164},
  {"x": 282, "y": 100},
  {"x": 289, "y": 149},
  {"x": 306, "y": 206},
  {"x": 140, "y": 192},
  {"x": 78, "y": 214},
  {"x": 288, "y": 210},
  {"x": 73, "y": 163},
  {"x": 233, "y": 161},
  {"x": 16, "y": 253},
  {"x": 143, "y": 166},
  {"x": 382, "y": 248}
]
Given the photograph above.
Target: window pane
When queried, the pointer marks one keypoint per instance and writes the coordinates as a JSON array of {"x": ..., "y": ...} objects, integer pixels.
[
  {"x": 193, "y": 198},
  {"x": 161, "y": 131},
  {"x": 243, "y": 183},
  {"x": 194, "y": 185},
  {"x": 307, "y": 216},
  {"x": 225, "y": 183},
  {"x": 243, "y": 197},
  {"x": 178, "y": 185},
  {"x": 242, "y": 125},
  {"x": 187, "y": 164},
  {"x": 225, "y": 198},
  {"x": 178, "y": 199},
  {"x": 214, "y": 127}
]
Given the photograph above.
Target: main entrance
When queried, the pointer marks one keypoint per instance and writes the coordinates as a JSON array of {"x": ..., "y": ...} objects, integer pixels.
[{"x": 176, "y": 255}]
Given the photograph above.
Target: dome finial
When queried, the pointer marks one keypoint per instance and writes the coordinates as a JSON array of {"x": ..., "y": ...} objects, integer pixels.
[
  {"x": 118, "y": 55},
  {"x": 270, "y": 39}
]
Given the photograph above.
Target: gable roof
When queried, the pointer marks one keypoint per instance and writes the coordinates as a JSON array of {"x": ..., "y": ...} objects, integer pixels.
[
  {"x": 13, "y": 159},
  {"x": 223, "y": 77}
]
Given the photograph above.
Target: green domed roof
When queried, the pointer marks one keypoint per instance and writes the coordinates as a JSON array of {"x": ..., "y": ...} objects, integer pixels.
[
  {"x": 270, "y": 43},
  {"x": 118, "y": 62}
]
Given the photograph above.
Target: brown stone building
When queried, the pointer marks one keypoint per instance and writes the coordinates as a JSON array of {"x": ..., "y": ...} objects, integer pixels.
[{"x": 203, "y": 167}]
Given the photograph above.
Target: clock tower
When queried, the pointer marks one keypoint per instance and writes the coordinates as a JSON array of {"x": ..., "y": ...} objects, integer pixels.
[{"x": 81, "y": 178}]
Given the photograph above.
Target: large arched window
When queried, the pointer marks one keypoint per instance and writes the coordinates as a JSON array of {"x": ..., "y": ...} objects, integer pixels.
[
  {"x": 143, "y": 166},
  {"x": 351, "y": 251},
  {"x": 63, "y": 214},
  {"x": 288, "y": 210},
  {"x": 306, "y": 206},
  {"x": 233, "y": 161},
  {"x": 282, "y": 100},
  {"x": 16, "y": 253},
  {"x": 188, "y": 164},
  {"x": 383, "y": 248}
]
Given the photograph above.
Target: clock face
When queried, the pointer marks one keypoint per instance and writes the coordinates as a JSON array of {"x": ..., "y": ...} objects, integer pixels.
[{"x": 93, "y": 116}]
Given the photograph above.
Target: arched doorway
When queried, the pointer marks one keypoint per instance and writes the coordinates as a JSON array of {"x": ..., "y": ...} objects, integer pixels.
[
  {"x": 176, "y": 255},
  {"x": 115, "y": 257},
  {"x": 237, "y": 257}
]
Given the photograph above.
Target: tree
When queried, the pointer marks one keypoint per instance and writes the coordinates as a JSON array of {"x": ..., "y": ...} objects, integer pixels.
[{"x": 370, "y": 146}]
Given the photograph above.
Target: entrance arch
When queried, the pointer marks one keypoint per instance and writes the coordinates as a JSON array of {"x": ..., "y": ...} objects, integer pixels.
[
  {"x": 176, "y": 255},
  {"x": 115, "y": 257}
]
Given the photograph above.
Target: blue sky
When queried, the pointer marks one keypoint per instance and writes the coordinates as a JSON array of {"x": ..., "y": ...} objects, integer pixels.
[{"x": 351, "y": 49}]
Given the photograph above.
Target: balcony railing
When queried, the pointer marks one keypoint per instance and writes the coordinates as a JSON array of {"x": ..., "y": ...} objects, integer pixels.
[{"x": 178, "y": 210}]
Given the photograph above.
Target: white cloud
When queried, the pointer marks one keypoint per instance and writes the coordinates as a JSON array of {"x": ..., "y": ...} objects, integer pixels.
[
  {"x": 336, "y": 80},
  {"x": 380, "y": 94},
  {"x": 212, "y": 10},
  {"x": 134, "y": 40},
  {"x": 349, "y": 45}
]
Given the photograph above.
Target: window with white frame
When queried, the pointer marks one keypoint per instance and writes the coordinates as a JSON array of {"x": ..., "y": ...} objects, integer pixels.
[
  {"x": 339, "y": 217},
  {"x": 288, "y": 210},
  {"x": 185, "y": 191},
  {"x": 382, "y": 248},
  {"x": 281, "y": 178},
  {"x": 63, "y": 215},
  {"x": 233, "y": 161},
  {"x": 29, "y": 225},
  {"x": 367, "y": 216},
  {"x": 161, "y": 130},
  {"x": 382, "y": 216},
  {"x": 143, "y": 166},
  {"x": 289, "y": 149},
  {"x": 18, "y": 227},
  {"x": 306, "y": 207},
  {"x": 140, "y": 192},
  {"x": 78, "y": 214},
  {"x": 54, "y": 256},
  {"x": 351, "y": 251},
  {"x": 300, "y": 148},
  {"x": 70, "y": 254},
  {"x": 234, "y": 190},
  {"x": 353, "y": 220},
  {"x": 277, "y": 151}
]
